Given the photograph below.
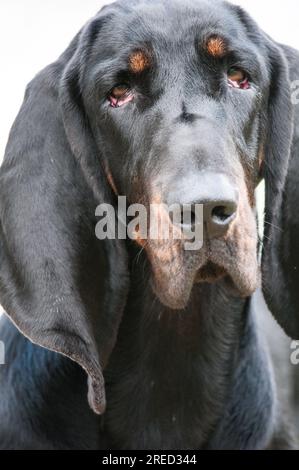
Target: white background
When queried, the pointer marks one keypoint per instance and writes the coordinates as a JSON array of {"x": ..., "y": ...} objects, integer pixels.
[{"x": 34, "y": 32}]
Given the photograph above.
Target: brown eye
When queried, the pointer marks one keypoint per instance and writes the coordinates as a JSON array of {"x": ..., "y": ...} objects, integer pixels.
[
  {"x": 236, "y": 75},
  {"x": 237, "y": 78},
  {"x": 120, "y": 95},
  {"x": 119, "y": 91}
]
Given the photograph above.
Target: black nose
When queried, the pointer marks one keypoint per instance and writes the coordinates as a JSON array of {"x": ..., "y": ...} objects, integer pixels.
[
  {"x": 215, "y": 193},
  {"x": 218, "y": 215}
]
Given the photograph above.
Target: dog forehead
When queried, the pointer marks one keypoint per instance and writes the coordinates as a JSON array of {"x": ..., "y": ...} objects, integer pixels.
[{"x": 173, "y": 22}]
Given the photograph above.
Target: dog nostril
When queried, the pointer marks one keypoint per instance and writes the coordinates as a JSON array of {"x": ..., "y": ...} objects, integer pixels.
[{"x": 223, "y": 214}]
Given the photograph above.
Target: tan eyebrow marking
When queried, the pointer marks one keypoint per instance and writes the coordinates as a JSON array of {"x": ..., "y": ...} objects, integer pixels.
[
  {"x": 216, "y": 46},
  {"x": 139, "y": 61}
]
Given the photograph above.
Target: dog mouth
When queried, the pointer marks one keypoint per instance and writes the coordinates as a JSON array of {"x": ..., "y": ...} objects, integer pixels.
[
  {"x": 230, "y": 260},
  {"x": 210, "y": 273},
  {"x": 174, "y": 276}
]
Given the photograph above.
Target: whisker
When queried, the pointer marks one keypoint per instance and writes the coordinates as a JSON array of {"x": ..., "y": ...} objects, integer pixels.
[{"x": 273, "y": 225}]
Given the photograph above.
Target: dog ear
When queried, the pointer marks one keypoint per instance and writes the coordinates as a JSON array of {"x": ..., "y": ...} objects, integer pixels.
[
  {"x": 280, "y": 258},
  {"x": 279, "y": 149},
  {"x": 62, "y": 287}
]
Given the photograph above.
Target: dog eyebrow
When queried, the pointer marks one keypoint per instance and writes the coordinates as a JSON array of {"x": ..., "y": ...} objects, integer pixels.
[
  {"x": 216, "y": 46},
  {"x": 139, "y": 60}
]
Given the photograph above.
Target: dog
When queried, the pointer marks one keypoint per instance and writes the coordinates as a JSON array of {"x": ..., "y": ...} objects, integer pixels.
[{"x": 142, "y": 344}]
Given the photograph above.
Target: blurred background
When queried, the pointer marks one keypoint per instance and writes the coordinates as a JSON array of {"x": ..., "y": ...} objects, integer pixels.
[{"x": 33, "y": 33}]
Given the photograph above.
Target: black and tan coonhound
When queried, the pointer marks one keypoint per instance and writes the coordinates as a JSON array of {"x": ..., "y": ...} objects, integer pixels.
[{"x": 121, "y": 344}]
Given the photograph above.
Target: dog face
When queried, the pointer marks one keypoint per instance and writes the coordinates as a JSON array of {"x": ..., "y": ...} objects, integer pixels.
[{"x": 179, "y": 121}]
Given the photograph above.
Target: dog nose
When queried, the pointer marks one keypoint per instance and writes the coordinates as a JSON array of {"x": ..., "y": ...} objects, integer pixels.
[
  {"x": 218, "y": 215},
  {"x": 218, "y": 197}
]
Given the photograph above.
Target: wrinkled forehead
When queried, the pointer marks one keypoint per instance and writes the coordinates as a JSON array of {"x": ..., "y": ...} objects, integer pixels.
[{"x": 168, "y": 24}]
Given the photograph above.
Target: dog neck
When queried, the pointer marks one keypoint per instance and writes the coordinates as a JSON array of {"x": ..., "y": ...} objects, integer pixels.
[{"x": 172, "y": 370}]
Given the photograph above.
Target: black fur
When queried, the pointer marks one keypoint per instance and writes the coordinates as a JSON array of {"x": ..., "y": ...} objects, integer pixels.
[{"x": 196, "y": 378}]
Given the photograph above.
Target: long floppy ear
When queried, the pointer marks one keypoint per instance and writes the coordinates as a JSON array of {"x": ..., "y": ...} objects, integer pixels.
[
  {"x": 280, "y": 260},
  {"x": 62, "y": 287}
]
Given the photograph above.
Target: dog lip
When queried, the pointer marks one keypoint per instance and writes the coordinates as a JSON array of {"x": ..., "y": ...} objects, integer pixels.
[{"x": 210, "y": 272}]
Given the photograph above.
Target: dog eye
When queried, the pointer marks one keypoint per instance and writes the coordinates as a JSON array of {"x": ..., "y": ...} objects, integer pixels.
[
  {"x": 120, "y": 95},
  {"x": 237, "y": 78}
]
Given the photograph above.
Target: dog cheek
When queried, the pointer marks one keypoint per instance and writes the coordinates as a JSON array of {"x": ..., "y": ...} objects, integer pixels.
[
  {"x": 237, "y": 252},
  {"x": 173, "y": 272},
  {"x": 243, "y": 243},
  {"x": 167, "y": 269}
]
